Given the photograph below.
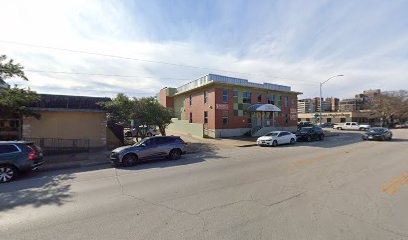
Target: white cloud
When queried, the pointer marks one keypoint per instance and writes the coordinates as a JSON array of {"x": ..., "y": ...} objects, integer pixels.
[{"x": 277, "y": 55}]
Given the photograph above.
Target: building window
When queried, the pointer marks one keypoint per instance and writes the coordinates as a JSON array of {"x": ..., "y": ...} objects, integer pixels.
[
  {"x": 286, "y": 118},
  {"x": 235, "y": 94},
  {"x": 328, "y": 120},
  {"x": 246, "y": 97},
  {"x": 286, "y": 101},
  {"x": 205, "y": 117},
  {"x": 279, "y": 101},
  {"x": 271, "y": 99},
  {"x": 343, "y": 120},
  {"x": 191, "y": 99},
  {"x": 299, "y": 119},
  {"x": 191, "y": 117},
  {"x": 225, "y": 117},
  {"x": 259, "y": 98},
  {"x": 205, "y": 96},
  {"x": 308, "y": 119},
  {"x": 225, "y": 96}
]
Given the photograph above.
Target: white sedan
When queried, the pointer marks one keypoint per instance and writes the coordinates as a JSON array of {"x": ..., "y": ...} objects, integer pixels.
[{"x": 276, "y": 138}]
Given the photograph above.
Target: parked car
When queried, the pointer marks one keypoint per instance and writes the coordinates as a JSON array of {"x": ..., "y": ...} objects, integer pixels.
[
  {"x": 401, "y": 125},
  {"x": 171, "y": 147},
  {"x": 352, "y": 126},
  {"x": 17, "y": 157},
  {"x": 377, "y": 133},
  {"x": 146, "y": 131},
  {"x": 310, "y": 133},
  {"x": 276, "y": 138},
  {"x": 304, "y": 124},
  {"x": 327, "y": 125}
]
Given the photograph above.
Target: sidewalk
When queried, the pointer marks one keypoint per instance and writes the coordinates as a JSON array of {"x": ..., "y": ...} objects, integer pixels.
[{"x": 74, "y": 160}]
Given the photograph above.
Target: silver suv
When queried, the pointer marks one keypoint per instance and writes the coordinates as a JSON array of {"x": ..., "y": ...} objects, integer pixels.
[{"x": 149, "y": 148}]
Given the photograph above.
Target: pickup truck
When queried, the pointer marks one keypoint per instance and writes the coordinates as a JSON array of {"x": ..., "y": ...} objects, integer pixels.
[{"x": 352, "y": 126}]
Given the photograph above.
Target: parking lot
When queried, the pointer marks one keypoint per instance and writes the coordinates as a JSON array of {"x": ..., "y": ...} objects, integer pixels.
[{"x": 338, "y": 188}]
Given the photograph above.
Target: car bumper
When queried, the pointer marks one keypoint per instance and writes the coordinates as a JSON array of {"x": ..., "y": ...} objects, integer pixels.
[
  {"x": 373, "y": 137},
  {"x": 264, "y": 143}
]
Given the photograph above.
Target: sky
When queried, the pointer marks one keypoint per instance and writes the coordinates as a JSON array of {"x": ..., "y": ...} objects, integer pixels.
[{"x": 139, "y": 47}]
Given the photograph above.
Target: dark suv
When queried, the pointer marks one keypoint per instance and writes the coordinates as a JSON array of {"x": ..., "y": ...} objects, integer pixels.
[
  {"x": 310, "y": 133},
  {"x": 18, "y": 156},
  {"x": 149, "y": 148}
]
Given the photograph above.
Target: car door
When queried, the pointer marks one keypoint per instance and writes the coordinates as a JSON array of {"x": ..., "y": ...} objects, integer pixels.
[
  {"x": 148, "y": 150},
  {"x": 354, "y": 126},
  {"x": 283, "y": 138}
]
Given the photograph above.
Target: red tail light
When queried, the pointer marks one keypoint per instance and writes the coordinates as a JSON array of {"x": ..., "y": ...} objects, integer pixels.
[{"x": 31, "y": 154}]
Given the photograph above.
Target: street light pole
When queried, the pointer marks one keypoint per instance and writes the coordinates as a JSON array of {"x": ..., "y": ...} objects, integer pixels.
[{"x": 320, "y": 100}]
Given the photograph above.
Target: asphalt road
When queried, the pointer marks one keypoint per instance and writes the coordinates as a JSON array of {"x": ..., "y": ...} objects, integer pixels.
[{"x": 341, "y": 188}]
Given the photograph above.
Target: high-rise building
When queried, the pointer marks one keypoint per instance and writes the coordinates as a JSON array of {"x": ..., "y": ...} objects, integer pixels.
[
  {"x": 306, "y": 106},
  {"x": 334, "y": 103}
]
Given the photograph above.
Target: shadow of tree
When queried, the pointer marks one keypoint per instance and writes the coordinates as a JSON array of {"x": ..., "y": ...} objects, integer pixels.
[{"x": 54, "y": 190}]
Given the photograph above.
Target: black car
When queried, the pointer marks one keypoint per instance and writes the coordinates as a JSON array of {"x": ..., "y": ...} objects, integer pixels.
[
  {"x": 327, "y": 125},
  {"x": 377, "y": 133},
  {"x": 302, "y": 124},
  {"x": 310, "y": 133}
]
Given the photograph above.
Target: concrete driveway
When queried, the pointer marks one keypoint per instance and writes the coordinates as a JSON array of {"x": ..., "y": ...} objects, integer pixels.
[{"x": 339, "y": 188}]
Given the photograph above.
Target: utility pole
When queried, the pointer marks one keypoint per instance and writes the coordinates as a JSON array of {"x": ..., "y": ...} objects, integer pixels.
[{"x": 320, "y": 100}]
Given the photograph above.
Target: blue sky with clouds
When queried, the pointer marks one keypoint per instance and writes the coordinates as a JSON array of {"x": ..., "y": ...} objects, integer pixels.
[{"x": 295, "y": 43}]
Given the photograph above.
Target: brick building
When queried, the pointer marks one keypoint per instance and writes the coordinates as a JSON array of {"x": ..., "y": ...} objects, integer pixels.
[{"x": 228, "y": 106}]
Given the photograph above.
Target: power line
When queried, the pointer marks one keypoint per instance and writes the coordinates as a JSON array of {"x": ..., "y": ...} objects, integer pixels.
[
  {"x": 122, "y": 57},
  {"x": 104, "y": 75}
]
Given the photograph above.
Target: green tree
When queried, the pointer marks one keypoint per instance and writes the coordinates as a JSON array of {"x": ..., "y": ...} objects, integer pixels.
[
  {"x": 143, "y": 111},
  {"x": 15, "y": 103},
  {"x": 9, "y": 69}
]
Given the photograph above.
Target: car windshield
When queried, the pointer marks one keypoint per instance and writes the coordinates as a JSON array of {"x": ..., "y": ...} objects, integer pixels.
[
  {"x": 272, "y": 134},
  {"x": 376, "y": 130}
]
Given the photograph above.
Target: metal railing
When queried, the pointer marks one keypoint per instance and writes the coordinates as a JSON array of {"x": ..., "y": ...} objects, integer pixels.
[{"x": 58, "y": 145}]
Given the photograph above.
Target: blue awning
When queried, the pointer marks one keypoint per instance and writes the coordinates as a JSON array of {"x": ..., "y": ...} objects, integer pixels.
[{"x": 263, "y": 108}]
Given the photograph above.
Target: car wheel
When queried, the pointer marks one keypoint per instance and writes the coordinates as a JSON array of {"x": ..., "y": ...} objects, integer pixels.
[
  {"x": 175, "y": 154},
  {"x": 339, "y": 128},
  {"x": 7, "y": 173},
  {"x": 321, "y": 137},
  {"x": 292, "y": 141},
  {"x": 309, "y": 138},
  {"x": 129, "y": 160},
  {"x": 274, "y": 143}
]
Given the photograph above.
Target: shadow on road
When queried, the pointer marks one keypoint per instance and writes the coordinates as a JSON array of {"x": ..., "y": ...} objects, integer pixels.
[{"x": 53, "y": 190}]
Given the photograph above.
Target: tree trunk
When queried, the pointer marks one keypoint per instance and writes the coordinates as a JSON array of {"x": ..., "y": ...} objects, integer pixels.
[{"x": 162, "y": 130}]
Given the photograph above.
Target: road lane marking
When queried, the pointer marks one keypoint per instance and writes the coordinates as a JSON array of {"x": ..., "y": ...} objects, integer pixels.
[{"x": 396, "y": 183}]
